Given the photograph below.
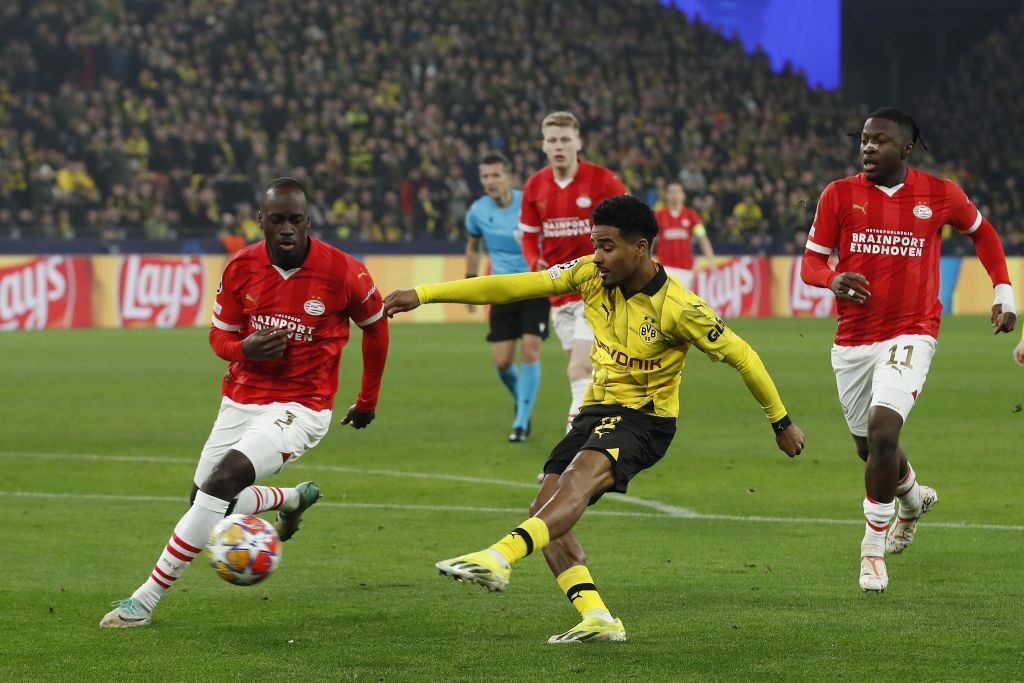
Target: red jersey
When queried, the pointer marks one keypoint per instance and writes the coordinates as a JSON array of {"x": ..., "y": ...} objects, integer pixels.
[
  {"x": 891, "y": 235},
  {"x": 559, "y": 217},
  {"x": 313, "y": 302},
  {"x": 675, "y": 235}
]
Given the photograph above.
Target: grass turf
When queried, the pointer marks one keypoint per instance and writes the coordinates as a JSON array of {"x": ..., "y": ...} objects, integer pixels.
[{"x": 102, "y": 429}]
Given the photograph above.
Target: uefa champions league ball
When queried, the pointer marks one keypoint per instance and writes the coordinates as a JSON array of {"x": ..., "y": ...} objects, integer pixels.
[{"x": 243, "y": 549}]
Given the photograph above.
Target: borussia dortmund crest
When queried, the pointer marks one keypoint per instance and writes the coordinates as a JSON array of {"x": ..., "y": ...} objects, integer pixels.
[{"x": 647, "y": 330}]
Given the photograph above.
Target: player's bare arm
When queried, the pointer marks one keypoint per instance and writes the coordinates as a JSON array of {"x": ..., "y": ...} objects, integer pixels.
[
  {"x": 1018, "y": 353},
  {"x": 851, "y": 286},
  {"x": 265, "y": 344},
  {"x": 400, "y": 301}
]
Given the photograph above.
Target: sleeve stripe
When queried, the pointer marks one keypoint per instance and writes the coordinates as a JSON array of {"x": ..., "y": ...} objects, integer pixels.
[
  {"x": 220, "y": 325},
  {"x": 974, "y": 226},
  {"x": 372, "y": 319},
  {"x": 528, "y": 228},
  {"x": 818, "y": 248}
]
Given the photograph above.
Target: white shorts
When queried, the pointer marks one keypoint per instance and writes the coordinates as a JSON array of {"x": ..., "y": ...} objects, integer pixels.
[
  {"x": 571, "y": 324},
  {"x": 684, "y": 276},
  {"x": 889, "y": 373},
  {"x": 269, "y": 435}
]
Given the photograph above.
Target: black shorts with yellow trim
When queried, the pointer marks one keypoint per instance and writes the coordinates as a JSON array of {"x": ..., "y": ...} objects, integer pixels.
[
  {"x": 631, "y": 440},
  {"x": 512, "y": 321}
]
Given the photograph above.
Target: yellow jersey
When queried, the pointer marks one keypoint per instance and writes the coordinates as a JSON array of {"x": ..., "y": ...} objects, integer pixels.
[{"x": 640, "y": 338}]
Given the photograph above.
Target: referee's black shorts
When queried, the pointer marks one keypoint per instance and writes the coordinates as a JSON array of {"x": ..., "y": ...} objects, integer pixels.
[
  {"x": 512, "y": 321},
  {"x": 632, "y": 441}
]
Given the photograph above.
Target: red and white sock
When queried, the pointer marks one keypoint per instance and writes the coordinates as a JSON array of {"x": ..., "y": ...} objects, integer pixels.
[
  {"x": 261, "y": 498},
  {"x": 189, "y": 537},
  {"x": 876, "y": 522},
  {"x": 909, "y": 493}
]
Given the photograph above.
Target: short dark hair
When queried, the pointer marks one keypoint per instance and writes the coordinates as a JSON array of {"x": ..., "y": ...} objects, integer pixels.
[
  {"x": 286, "y": 183},
  {"x": 902, "y": 119},
  {"x": 496, "y": 158},
  {"x": 627, "y": 213}
]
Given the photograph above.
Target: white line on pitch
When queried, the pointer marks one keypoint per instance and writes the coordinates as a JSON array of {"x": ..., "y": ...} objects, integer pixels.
[{"x": 666, "y": 509}]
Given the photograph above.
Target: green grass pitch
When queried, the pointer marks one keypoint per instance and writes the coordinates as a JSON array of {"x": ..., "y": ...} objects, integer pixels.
[{"x": 101, "y": 430}]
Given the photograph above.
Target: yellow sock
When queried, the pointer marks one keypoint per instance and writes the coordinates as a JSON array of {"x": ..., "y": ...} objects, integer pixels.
[
  {"x": 578, "y": 586},
  {"x": 524, "y": 539}
]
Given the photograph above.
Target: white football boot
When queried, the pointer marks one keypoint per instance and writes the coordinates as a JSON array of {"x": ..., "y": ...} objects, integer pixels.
[
  {"x": 901, "y": 533},
  {"x": 873, "y": 576}
]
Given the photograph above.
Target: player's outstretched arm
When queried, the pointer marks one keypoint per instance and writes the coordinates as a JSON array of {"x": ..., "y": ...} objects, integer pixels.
[
  {"x": 1018, "y": 353},
  {"x": 375, "y": 354},
  {"x": 400, "y": 301}
]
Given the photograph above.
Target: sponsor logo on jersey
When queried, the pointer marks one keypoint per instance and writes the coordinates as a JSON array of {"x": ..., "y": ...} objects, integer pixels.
[
  {"x": 863, "y": 208},
  {"x": 160, "y": 291},
  {"x": 923, "y": 211},
  {"x": 623, "y": 359},
  {"x": 314, "y": 307},
  {"x": 886, "y": 241},
  {"x": 34, "y": 293},
  {"x": 283, "y": 321},
  {"x": 566, "y": 227},
  {"x": 584, "y": 202}
]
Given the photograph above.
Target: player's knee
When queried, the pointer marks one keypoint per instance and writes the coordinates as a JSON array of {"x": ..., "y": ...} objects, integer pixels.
[
  {"x": 883, "y": 441},
  {"x": 230, "y": 476}
]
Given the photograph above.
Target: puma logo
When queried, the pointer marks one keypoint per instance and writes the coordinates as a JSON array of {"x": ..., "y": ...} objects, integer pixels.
[
  {"x": 607, "y": 313},
  {"x": 251, "y": 299},
  {"x": 863, "y": 209},
  {"x": 362, "y": 274}
]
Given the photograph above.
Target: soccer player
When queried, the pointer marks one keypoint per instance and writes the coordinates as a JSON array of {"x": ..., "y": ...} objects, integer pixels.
[
  {"x": 555, "y": 221},
  {"x": 886, "y": 224},
  {"x": 644, "y": 323},
  {"x": 494, "y": 220},
  {"x": 678, "y": 226},
  {"x": 281, "y": 318}
]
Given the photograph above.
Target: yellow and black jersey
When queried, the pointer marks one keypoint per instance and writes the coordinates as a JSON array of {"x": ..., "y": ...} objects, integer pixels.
[{"x": 640, "y": 338}]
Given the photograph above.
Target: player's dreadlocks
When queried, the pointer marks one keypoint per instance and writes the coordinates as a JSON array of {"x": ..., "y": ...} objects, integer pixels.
[{"x": 901, "y": 119}]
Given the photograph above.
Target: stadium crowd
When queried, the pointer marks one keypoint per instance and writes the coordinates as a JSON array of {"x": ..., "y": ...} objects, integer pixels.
[{"x": 151, "y": 119}]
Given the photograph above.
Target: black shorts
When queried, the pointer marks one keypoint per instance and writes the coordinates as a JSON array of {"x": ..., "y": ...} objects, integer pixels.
[
  {"x": 631, "y": 440},
  {"x": 512, "y": 321}
]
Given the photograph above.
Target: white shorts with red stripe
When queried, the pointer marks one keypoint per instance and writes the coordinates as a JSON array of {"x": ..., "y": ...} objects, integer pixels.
[
  {"x": 888, "y": 373},
  {"x": 270, "y": 435}
]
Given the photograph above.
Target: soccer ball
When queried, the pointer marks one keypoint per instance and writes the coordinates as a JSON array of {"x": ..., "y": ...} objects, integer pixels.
[{"x": 243, "y": 549}]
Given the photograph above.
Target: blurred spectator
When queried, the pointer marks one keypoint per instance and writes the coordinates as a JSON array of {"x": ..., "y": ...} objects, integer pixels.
[{"x": 157, "y": 118}]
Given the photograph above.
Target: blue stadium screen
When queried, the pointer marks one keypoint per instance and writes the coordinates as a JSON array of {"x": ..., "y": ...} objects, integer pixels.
[{"x": 803, "y": 32}]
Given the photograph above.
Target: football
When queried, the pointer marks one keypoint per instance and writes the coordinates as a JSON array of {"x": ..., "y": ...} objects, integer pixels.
[{"x": 244, "y": 549}]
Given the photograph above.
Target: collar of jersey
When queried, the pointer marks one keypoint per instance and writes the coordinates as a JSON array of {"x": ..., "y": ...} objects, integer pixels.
[
  {"x": 265, "y": 258},
  {"x": 651, "y": 288},
  {"x": 908, "y": 181}
]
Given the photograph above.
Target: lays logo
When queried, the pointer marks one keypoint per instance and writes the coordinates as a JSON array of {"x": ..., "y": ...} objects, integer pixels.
[
  {"x": 45, "y": 291},
  {"x": 160, "y": 291}
]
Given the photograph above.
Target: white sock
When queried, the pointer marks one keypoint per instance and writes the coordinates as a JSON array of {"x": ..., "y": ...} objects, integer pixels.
[
  {"x": 876, "y": 522},
  {"x": 578, "y": 388},
  {"x": 909, "y": 493},
  {"x": 261, "y": 498},
  {"x": 189, "y": 537}
]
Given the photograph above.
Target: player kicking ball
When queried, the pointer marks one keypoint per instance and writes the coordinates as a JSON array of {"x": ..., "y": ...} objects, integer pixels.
[
  {"x": 644, "y": 322},
  {"x": 281, "y": 318},
  {"x": 886, "y": 223}
]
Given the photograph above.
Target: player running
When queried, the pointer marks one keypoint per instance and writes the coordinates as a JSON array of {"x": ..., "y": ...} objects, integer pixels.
[
  {"x": 555, "y": 221},
  {"x": 886, "y": 224},
  {"x": 281, "y": 318},
  {"x": 678, "y": 226},
  {"x": 494, "y": 220},
  {"x": 644, "y": 323}
]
